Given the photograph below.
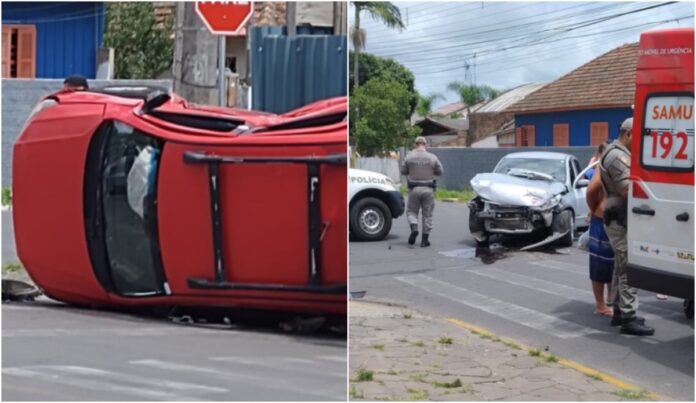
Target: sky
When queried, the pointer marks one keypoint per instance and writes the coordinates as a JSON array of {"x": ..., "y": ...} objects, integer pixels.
[{"x": 507, "y": 44}]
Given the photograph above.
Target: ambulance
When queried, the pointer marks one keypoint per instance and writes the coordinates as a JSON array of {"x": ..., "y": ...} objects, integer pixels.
[{"x": 661, "y": 195}]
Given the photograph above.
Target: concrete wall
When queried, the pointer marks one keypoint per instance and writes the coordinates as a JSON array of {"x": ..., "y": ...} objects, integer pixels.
[
  {"x": 462, "y": 164},
  {"x": 20, "y": 96},
  {"x": 578, "y": 121},
  {"x": 483, "y": 124}
]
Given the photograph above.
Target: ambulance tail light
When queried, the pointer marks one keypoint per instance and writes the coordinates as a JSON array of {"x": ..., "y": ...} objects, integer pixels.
[{"x": 639, "y": 192}]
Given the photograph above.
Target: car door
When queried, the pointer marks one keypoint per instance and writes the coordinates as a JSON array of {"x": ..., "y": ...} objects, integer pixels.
[{"x": 579, "y": 191}]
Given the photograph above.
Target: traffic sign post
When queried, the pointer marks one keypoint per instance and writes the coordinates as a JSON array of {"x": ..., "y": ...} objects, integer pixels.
[{"x": 224, "y": 18}]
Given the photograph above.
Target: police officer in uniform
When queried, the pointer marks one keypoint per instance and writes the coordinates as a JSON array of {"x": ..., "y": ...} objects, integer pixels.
[
  {"x": 421, "y": 167},
  {"x": 614, "y": 169}
]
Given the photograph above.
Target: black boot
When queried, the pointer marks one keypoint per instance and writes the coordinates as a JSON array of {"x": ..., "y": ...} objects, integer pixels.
[
  {"x": 616, "y": 319},
  {"x": 424, "y": 241},
  {"x": 635, "y": 327},
  {"x": 414, "y": 234}
]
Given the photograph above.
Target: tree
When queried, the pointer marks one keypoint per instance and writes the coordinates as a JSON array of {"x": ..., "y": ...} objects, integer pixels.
[
  {"x": 470, "y": 95},
  {"x": 383, "y": 11},
  {"x": 372, "y": 66},
  {"x": 381, "y": 126},
  {"x": 425, "y": 103},
  {"x": 143, "y": 49}
]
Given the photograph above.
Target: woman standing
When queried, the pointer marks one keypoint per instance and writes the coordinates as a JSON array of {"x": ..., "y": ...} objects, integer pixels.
[{"x": 601, "y": 254}]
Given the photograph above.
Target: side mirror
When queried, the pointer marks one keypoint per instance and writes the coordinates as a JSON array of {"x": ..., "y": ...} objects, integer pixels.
[{"x": 582, "y": 183}]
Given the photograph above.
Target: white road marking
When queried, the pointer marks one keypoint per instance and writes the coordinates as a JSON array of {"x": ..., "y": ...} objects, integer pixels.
[
  {"x": 515, "y": 313},
  {"x": 334, "y": 358},
  {"x": 277, "y": 364},
  {"x": 556, "y": 265},
  {"x": 261, "y": 382},
  {"x": 41, "y": 374}
]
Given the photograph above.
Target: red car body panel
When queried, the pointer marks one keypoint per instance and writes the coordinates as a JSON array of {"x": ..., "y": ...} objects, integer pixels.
[{"x": 264, "y": 207}]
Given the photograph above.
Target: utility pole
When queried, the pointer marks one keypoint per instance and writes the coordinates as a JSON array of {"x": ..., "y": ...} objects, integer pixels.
[
  {"x": 291, "y": 19},
  {"x": 195, "y": 57}
]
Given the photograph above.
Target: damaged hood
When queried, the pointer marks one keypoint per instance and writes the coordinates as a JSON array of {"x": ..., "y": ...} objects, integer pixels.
[{"x": 514, "y": 191}]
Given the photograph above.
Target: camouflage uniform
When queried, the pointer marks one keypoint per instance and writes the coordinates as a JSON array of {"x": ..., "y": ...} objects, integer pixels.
[{"x": 615, "y": 167}]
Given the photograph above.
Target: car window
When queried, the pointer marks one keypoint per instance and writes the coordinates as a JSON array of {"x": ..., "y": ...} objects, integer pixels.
[
  {"x": 124, "y": 243},
  {"x": 556, "y": 168}
]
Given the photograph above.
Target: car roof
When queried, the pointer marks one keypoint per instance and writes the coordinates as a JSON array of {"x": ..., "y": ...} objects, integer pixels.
[{"x": 546, "y": 155}]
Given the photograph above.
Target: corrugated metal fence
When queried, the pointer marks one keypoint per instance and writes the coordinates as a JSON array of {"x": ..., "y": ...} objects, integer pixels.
[{"x": 289, "y": 72}]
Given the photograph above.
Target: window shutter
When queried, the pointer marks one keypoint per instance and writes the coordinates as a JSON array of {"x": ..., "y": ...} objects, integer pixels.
[
  {"x": 530, "y": 136},
  {"x": 518, "y": 137},
  {"x": 6, "y": 51},
  {"x": 26, "y": 52},
  {"x": 599, "y": 133},
  {"x": 561, "y": 135}
]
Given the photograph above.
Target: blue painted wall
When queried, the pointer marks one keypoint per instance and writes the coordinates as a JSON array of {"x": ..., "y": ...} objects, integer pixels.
[
  {"x": 578, "y": 121},
  {"x": 67, "y": 35},
  {"x": 290, "y": 72}
]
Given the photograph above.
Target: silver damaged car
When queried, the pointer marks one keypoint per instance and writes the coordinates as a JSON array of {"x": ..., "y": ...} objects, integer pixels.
[{"x": 530, "y": 192}]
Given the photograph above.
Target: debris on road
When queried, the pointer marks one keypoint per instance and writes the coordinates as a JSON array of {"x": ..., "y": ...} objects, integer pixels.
[{"x": 18, "y": 291}]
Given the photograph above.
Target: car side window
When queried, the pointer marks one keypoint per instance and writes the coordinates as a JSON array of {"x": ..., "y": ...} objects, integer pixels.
[{"x": 572, "y": 170}]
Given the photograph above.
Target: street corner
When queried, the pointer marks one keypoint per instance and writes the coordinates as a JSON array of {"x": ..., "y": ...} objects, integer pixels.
[{"x": 399, "y": 353}]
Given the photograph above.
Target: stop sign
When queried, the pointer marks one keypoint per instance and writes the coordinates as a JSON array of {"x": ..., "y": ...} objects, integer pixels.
[{"x": 224, "y": 17}]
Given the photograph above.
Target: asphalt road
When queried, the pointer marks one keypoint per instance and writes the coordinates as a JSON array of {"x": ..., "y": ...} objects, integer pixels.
[
  {"x": 541, "y": 299},
  {"x": 51, "y": 351}
]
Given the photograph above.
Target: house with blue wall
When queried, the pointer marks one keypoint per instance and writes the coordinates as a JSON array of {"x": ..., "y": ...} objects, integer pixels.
[
  {"x": 51, "y": 39},
  {"x": 583, "y": 108}
]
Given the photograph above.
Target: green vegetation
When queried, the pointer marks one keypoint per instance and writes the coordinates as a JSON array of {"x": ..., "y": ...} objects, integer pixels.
[
  {"x": 419, "y": 344},
  {"x": 402, "y": 340},
  {"x": 445, "y": 340},
  {"x": 6, "y": 195},
  {"x": 594, "y": 376},
  {"x": 143, "y": 49},
  {"x": 449, "y": 385},
  {"x": 378, "y": 347},
  {"x": 408, "y": 315},
  {"x": 354, "y": 393},
  {"x": 551, "y": 358},
  {"x": 535, "y": 352},
  {"x": 425, "y": 103},
  {"x": 419, "y": 377},
  {"x": 632, "y": 394},
  {"x": 392, "y": 372},
  {"x": 11, "y": 268},
  {"x": 417, "y": 394},
  {"x": 364, "y": 375},
  {"x": 511, "y": 344}
]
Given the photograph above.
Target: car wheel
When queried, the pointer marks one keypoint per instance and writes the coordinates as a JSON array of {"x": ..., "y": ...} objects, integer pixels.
[
  {"x": 370, "y": 219},
  {"x": 689, "y": 308},
  {"x": 477, "y": 229},
  {"x": 561, "y": 222}
]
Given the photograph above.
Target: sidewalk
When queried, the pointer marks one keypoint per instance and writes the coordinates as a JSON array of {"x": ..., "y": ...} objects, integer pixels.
[{"x": 397, "y": 353}]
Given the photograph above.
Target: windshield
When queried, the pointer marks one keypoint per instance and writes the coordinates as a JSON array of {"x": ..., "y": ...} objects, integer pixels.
[{"x": 551, "y": 167}]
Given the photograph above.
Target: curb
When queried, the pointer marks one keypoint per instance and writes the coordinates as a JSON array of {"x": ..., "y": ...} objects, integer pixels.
[{"x": 610, "y": 379}]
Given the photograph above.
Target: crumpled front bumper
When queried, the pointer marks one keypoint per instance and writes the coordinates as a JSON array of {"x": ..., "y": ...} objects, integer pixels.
[{"x": 513, "y": 220}]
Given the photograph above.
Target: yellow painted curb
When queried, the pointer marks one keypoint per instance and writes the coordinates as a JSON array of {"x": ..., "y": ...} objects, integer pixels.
[{"x": 612, "y": 380}]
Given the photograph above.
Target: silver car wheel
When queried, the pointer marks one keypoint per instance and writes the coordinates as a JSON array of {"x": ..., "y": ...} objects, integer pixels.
[{"x": 371, "y": 220}]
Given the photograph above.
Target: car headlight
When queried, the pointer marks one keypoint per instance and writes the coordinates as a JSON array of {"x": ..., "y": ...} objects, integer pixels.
[{"x": 551, "y": 203}]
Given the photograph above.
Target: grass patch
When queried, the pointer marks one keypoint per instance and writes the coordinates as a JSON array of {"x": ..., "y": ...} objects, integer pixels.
[
  {"x": 408, "y": 315},
  {"x": 535, "y": 352},
  {"x": 511, "y": 344},
  {"x": 419, "y": 344},
  {"x": 551, "y": 358},
  {"x": 6, "y": 195},
  {"x": 392, "y": 372},
  {"x": 364, "y": 375},
  {"x": 632, "y": 394},
  {"x": 457, "y": 383},
  {"x": 419, "y": 378},
  {"x": 354, "y": 394},
  {"x": 445, "y": 340},
  {"x": 462, "y": 196},
  {"x": 11, "y": 268},
  {"x": 378, "y": 347},
  {"x": 417, "y": 394},
  {"x": 402, "y": 340},
  {"x": 594, "y": 376}
]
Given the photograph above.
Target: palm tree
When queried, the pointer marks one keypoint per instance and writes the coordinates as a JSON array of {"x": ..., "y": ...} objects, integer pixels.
[
  {"x": 468, "y": 94},
  {"x": 425, "y": 103},
  {"x": 383, "y": 11}
]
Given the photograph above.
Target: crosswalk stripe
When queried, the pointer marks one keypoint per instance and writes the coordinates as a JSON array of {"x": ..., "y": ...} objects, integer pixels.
[
  {"x": 555, "y": 265},
  {"x": 48, "y": 373},
  {"x": 515, "y": 313},
  {"x": 266, "y": 382}
]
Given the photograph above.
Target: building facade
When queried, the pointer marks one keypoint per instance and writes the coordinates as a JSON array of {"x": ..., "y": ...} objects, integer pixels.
[{"x": 51, "y": 40}]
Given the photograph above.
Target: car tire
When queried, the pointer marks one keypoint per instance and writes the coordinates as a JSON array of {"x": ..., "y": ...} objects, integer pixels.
[
  {"x": 561, "y": 222},
  {"x": 370, "y": 219},
  {"x": 689, "y": 308},
  {"x": 476, "y": 226}
]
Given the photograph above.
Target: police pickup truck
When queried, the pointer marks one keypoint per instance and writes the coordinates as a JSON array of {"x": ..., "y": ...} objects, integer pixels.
[{"x": 374, "y": 203}]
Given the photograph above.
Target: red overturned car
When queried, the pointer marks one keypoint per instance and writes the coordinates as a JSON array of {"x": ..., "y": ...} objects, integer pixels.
[{"x": 131, "y": 197}]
